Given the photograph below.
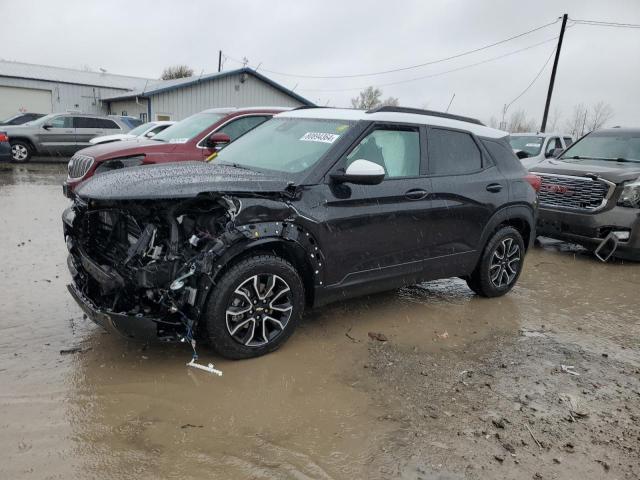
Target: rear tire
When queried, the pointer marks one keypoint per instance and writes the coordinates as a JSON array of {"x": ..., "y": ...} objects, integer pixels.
[
  {"x": 500, "y": 265},
  {"x": 254, "y": 308},
  {"x": 20, "y": 151}
]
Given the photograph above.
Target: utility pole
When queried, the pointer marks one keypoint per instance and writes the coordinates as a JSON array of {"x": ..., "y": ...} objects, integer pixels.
[
  {"x": 219, "y": 60},
  {"x": 553, "y": 73}
]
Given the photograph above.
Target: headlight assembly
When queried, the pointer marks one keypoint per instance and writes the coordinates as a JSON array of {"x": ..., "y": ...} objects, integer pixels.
[
  {"x": 118, "y": 163},
  {"x": 630, "y": 196}
]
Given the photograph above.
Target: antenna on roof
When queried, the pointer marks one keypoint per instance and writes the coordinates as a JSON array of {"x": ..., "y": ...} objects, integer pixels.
[{"x": 103, "y": 70}]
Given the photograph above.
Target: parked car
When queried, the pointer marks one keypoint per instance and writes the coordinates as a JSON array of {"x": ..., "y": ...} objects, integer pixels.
[
  {"x": 21, "y": 118},
  {"x": 194, "y": 138},
  {"x": 131, "y": 122},
  {"x": 313, "y": 206},
  {"x": 58, "y": 134},
  {"x": 590, "y": 195},
  {"x": 146, "y": 130},
  {"x": 5, "y": 147},
  {"x": 533, "y": 148}
]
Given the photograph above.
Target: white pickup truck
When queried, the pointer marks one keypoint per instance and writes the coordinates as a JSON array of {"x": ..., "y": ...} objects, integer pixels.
[{"x": 533, "y": 148}]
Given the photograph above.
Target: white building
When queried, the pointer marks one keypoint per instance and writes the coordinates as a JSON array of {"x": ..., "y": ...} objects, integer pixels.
[{"x": 44, "y": 89}]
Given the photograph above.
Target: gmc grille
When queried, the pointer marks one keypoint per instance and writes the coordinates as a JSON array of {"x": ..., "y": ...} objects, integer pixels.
[
  {"x": 79, "y": 165},
  {"x": 575, "y": 193}
]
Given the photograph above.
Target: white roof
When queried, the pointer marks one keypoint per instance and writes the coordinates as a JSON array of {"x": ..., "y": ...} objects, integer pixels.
[
  {"x": 70, "y": 75},
  {"x": 355, "y": 115}
]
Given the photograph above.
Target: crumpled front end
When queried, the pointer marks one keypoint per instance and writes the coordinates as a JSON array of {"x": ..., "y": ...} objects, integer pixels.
[{"x": 144, "y": 268}]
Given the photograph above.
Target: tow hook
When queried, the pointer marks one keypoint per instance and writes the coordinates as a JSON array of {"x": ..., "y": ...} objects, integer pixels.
[{"x": 609, "y": 245}]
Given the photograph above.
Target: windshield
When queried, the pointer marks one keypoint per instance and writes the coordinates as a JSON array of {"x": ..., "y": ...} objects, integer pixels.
[
  {"x": 186, "y": 129},
  {"x": 606, "y": 146},
  {"x": 141, "y": 129},
  {"x": 7, "y": 120},
  {"x": 288, "y": 145},
  {"x": 527, "y": 143}
]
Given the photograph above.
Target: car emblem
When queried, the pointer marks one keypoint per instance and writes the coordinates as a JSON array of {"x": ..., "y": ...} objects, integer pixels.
[{"x": 556, "y": 189}]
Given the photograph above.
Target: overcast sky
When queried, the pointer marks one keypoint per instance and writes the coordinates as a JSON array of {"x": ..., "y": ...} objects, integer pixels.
[{"x": 328, "y": 37}]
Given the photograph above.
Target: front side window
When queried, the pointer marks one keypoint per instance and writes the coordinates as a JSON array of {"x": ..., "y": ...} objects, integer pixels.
[
  {"x": 287, "y": 145},
  {"x": 239, "y": 127},
  {"x": 452, "y": 152},
  {"x": 568, "y": 141},
  {"x": 552, "y": 145},
  {"x": 397, "y": 151},
  {"x": 185, "y": 130},
  {"x": 61, "y": 122}
]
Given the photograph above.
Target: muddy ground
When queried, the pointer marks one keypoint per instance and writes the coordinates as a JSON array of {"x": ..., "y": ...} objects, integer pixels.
[{"x": 463, "y": 387}]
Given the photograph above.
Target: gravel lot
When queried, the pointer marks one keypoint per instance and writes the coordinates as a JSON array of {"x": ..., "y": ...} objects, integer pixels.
[{"x": 462, "y": 387}]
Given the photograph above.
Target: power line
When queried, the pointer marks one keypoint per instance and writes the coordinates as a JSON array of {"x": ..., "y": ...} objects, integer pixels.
[
  {"x": 605, "y": 24},
  {"x": 434, "y": 74},
  {"x": 532, "y": 81},
  {"x": 411, "y": 67}
]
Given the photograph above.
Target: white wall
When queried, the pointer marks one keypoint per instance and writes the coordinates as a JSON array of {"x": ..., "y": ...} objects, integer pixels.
[
  {"x": 132, "y": 107},
  {"x": 68, "y": 97}
]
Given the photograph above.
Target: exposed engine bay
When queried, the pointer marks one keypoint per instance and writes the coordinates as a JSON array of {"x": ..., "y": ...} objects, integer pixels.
[{"x": 135, "y": 261}]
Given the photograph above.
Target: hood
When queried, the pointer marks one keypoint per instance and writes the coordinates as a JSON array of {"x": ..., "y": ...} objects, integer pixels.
[
  {"x": 105, "y": 151},
  {"x": 177, "y": 180},
  {"x": 612, "y": 171},
  {"x": 110, "y": 138}
]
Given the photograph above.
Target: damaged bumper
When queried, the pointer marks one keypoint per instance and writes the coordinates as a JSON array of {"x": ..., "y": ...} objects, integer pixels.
[
  {"x": 131, "y": 326},
  {"x": 592, "y": 229}
]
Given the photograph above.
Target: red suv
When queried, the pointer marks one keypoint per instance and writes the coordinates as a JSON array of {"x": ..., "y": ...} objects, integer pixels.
[{"x": 197, "y": 137}]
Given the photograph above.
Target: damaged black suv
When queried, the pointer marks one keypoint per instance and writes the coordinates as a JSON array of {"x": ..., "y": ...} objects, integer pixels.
[{"x": 313, "y": 206}]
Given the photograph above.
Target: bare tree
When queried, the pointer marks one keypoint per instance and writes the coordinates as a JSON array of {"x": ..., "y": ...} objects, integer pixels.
[
  {"x": 518, "y": 122},
  {"x": 575, "y": 124},
  {"x": 176, "y": 71},
  {"x": 600, "y": 113},
  {"x": 493, "y": 122},
  {"x": 554, "y": 119},
  {"x": 370, "y": 98}
]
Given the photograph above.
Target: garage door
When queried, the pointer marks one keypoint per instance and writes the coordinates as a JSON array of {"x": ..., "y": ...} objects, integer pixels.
[{"x": 15, "y": 100}]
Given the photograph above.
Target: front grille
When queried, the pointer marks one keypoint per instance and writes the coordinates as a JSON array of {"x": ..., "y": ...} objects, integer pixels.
[
  {"x": 79, "y": 165},
  {"x": 109, "y": 234},
  {"x": 574, "y": 193}
]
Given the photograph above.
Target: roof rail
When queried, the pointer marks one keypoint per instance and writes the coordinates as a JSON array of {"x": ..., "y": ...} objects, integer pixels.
[
  {"x": 419, "y": 111},
  {"x": 305, "y": 107}
]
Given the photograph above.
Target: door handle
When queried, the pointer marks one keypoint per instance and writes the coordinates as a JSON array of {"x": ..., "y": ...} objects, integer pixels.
[
  {"x": 416, "y": 194},
  {"x": 494, "y": 187},
  {"x": 68, "y": 131}
]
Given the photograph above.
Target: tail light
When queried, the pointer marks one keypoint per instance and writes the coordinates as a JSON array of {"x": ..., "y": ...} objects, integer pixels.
[
  {"x": 534, "y": 180},
  {"x": 4, "y": 137}
]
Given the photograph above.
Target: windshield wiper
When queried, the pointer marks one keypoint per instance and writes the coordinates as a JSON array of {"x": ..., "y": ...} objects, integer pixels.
[
  {"x": 237, "y": 165},
  {"x": 606, "y": 159}
]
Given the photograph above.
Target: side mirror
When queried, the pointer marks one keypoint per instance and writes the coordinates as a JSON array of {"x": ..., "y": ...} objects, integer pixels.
[
  {"x": 47, "y": 126},
  {"x": 361, "y": 172},
  {"x": 150, "y": 134},
  {"x": 522, "y": 154},
  {"x": 554, "y": 153},
  {"x": 217, "y": 141}
]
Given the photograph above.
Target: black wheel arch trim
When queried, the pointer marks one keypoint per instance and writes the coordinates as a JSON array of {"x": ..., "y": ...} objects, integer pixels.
[{"x": 507, "y": 214}]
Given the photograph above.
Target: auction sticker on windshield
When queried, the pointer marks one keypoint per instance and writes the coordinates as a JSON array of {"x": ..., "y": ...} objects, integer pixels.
[
  {"x": 532, "y": 145},
  {"x": 319, "y": 137}
]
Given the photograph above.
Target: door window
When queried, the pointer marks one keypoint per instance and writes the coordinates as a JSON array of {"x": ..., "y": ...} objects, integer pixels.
[
  {"x": 452, "y": 152},
  {"x": 62, "y": 122},
  {"x": 568, "y": 141},
  {"x": 84, "y": 122},
  {"x": 238, "y": 127},
  {"x": 106, "y": 124},
  {"x": 397, "y": 151},
  {"x": 552, "y": 145}
]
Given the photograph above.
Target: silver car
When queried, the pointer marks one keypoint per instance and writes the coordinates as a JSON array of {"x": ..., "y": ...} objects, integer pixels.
[{"x": 59, "y": 134}]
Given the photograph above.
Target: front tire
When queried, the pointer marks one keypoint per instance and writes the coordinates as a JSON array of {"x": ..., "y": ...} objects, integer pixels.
[
  {"x": 254, "y": 307},
  {"x": 20, "y": 151},
  {"x": 500, "y": 265}
]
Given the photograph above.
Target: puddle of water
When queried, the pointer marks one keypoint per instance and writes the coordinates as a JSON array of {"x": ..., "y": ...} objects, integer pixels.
[{"x": 306, "y": 411}]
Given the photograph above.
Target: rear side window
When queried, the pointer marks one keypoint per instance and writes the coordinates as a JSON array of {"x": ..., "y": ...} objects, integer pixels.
[
  {"x": 108, "y": 124},
  {"x": 452, "y": 152}
]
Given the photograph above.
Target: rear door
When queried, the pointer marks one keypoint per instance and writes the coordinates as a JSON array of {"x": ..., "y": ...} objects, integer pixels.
[
  {"x": 467, "y": 189},
  {"x": 59, "y": 137}
]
